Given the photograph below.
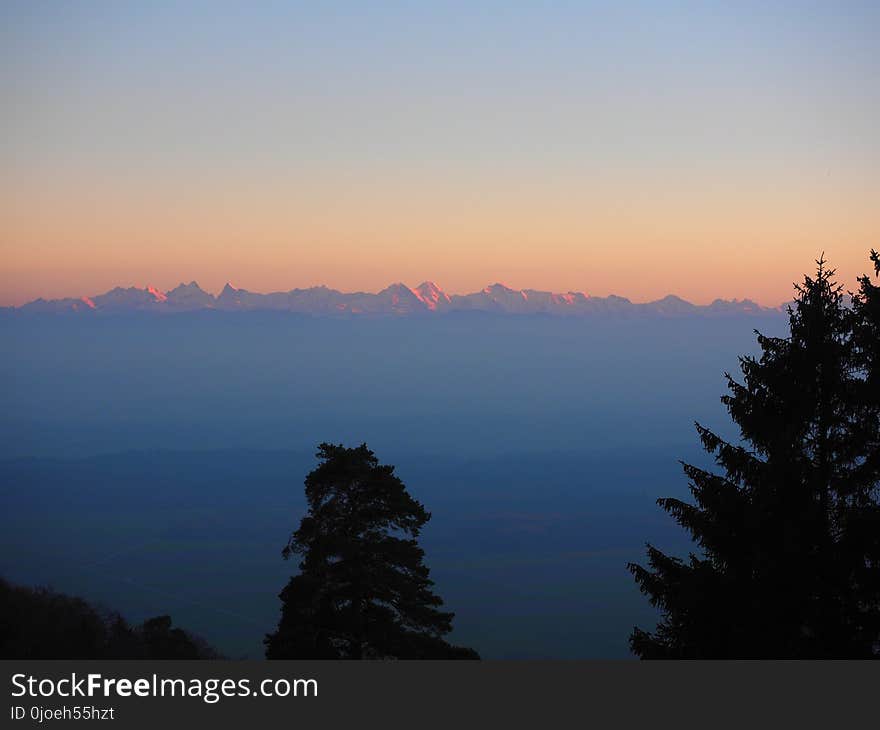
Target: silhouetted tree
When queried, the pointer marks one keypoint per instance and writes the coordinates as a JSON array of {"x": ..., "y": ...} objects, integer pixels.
[
  {"x": 866, "y": 343},
  {"x": 162, "y": 641},
  {"x": 38, "y": 623},
  {"x": 789, "y": 534},
  {"x": 363, "y": 590}
]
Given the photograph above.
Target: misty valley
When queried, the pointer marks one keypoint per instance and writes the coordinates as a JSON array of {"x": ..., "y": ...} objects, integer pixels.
[{"x": 155, "y": 464}]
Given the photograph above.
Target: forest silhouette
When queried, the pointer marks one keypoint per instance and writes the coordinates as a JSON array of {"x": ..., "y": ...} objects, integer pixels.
[
  {"x": 786, "y": 532},
  {"x": 39, "y": 623}
]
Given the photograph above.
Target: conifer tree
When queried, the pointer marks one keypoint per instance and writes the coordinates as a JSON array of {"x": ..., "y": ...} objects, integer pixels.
[
  {"x": 363, "y": 591},
  {"x": 789, "y": 533}
]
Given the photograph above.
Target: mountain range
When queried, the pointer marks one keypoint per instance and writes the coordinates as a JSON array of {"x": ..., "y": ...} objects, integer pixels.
[{"x": 397, "y": 299}]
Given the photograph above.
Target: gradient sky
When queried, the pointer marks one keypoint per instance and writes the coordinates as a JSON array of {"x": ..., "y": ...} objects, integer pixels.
[{"x": 704, "y": 149}]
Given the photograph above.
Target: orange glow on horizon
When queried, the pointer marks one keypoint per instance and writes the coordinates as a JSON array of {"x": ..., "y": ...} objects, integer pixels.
[{"x": 73, "y": 237}]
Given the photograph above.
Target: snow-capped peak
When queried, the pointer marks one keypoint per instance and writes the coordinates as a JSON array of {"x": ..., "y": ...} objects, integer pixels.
[{"x": 432, "y": 295}]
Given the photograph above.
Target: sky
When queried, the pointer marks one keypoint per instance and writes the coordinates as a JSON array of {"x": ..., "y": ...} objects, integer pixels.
[{"x": 702, "y": 149}]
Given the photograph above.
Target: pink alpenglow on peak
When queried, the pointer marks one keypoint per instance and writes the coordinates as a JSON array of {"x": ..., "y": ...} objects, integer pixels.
[
  {"x": 160, "y": 296},
  {"x": 395, "y": 299},
  {"x": 131, "y": 298},
  {"x": 433, "y": 296}
]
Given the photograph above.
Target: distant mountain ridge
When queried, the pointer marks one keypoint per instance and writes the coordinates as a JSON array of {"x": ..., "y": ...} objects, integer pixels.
[{"x": 396, "y": 299}]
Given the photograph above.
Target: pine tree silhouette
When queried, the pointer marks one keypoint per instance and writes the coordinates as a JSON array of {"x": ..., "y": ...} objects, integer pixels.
[
  {"x": 363, "y": 591},
  {"x": 789, "y": 534}
]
